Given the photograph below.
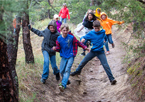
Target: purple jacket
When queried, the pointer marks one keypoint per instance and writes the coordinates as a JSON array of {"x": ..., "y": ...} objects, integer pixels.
[{"x": 58, "y": 23}]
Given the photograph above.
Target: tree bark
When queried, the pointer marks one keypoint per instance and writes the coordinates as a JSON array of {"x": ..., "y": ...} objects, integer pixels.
[
  {"x": 12, "y": 48},
  {"x": 29, "y": 57},
  {"x": 8, "y": 91}
]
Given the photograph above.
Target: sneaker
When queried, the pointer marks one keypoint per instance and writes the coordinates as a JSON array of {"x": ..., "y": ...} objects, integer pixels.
[
  {"x": 61, "y": 88},
  {"x": 113, "y": 45},
  {"x": 68, "y": 82},
  {"x": 83, "y": 54},
  {"x": 107, "y": 53},
  {"x": 57, "y": 77},
  {"x": 75, "y": 73},
  {"x": 113, "y": 82},
  {"x": 43, "y": 81}
]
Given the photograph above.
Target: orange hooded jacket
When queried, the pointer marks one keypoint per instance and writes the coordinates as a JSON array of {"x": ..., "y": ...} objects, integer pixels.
[{"x": 107, "y": 23}]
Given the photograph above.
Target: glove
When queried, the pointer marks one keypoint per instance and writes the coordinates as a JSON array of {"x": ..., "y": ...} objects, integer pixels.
[{"x": 29, "y": 26}]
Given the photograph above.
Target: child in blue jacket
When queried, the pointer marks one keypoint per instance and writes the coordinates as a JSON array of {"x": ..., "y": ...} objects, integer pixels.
[
  {"x": 96, "y": 37},
  {"x": 67, "y": 45}
]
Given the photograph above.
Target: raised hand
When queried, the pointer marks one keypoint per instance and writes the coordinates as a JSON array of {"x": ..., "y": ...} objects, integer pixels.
[{"x": 29, "y": 26}]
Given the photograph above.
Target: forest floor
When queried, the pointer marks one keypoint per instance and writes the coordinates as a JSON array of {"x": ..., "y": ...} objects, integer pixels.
[{"x": 92, "y": 85}]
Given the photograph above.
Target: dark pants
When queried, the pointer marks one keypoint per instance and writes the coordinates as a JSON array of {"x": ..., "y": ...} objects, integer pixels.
[
  {"x": 102, "y": 57},
  {"x": 109, "y": 39}
]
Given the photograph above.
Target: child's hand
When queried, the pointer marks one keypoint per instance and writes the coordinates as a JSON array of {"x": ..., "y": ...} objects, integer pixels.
[
  {"x": 121, "y": 22},
  {"x": 54, "y": 48},
  {"x": 88, "y": 49},
  {"x": 83, "y": 40},
  {"x": 29, "y": 26}
]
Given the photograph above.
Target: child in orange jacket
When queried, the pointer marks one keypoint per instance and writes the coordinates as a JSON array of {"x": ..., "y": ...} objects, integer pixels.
[{"x": 107, "y": 23}]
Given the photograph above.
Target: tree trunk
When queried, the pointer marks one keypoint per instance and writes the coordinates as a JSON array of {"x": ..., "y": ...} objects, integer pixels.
[
  {"x": 95, "y": 2},
  {"x": 8, "y": 92},
  {"x": 12, "y": 48},
  {"x": 49, "y": 16},
  {"x": 7, "y": 88},
  {"x": 26, "y": 39}
]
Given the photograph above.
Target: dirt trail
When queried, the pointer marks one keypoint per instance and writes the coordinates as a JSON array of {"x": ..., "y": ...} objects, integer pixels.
[
  {"x": 92, "y": 85},
  {"x": 95, "y": 80}
]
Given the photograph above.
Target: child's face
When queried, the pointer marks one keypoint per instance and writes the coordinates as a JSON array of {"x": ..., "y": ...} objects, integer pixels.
[
  {"x": 56, "y": 19},
  {"x": 52, "y": 29},
  {"x": 103, "y": 17},
  {"x": 64, "y": 32},
  {"x": 96, "y": 29},
  {"x": 98, "y": 11},
  {"x": 90, "y": 17}
]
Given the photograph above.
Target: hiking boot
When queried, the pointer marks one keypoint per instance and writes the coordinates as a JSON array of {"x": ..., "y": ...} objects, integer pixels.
[
  {"x": 107, "y": 53},
  {"x": 83, "y": 54},
  {"x": 61, "y": 87},
  {"x": 113, "y": 82},
  {"x": 43, "y": 81},
  {"x": 113, "y": 45},
  {"x": 68, "y": 82},
  {"x": 57, "y": 77},
  {"x": 75, "y": 73}
]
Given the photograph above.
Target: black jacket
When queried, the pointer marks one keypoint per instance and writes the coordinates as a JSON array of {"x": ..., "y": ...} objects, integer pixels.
[
  {"x": 49, "y": 38},
  {"x": 88, "y": 24}
]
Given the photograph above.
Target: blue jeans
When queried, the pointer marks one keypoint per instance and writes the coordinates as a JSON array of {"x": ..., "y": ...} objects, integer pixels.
[
  {"x": 102, "y": 57},
  {"x": 65, "y": 68},
  {"x": 63, "y": 19},
  {"x": 14, "y": 30},
  {"x": 46, "y": 65},
  {"x": 109, "y": 39},
  {"x": 106, "y": 43}
]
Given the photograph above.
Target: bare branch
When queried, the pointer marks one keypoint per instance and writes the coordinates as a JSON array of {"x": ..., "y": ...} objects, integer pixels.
[{"x": 52, "y": 6}]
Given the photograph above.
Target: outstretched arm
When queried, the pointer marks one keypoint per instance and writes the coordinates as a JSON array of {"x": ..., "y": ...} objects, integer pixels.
[
  {"x": 80, "y": 44},
  {"x": 39, "y": 33},
  {"x": 116, "y": 22},
  {"x": 80, "y": 29}
]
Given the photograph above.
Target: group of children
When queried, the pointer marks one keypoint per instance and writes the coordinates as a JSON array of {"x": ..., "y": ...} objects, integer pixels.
[
  {"x": 67, "y": 45},
  {"x": 105, "y": 22}
]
